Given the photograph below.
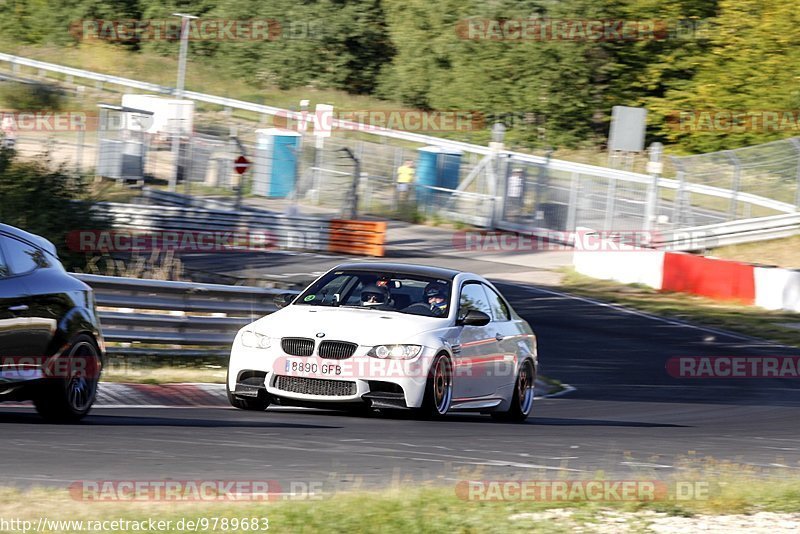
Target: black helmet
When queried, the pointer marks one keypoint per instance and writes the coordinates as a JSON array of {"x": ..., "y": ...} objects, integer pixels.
[
  {"x": 374, "y": 295},
  {"x": 435, "y": 289}
]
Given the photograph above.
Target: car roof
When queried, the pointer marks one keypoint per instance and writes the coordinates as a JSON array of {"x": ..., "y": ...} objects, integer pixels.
[
  {"x": 33, "y": 239},
  {"x": 401, "y": 268}
]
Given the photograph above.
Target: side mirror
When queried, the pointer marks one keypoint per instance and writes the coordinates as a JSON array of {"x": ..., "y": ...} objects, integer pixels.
[
  {"x": 284, "y": 299},
  {"x": 474, "y": 318}
]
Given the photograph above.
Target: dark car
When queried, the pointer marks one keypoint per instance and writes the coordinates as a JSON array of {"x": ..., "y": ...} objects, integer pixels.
[{"x": 51, "y": 346}]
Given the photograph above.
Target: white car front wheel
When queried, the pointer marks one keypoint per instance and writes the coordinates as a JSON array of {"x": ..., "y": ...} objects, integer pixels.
[{"x": 439, "y": 388}]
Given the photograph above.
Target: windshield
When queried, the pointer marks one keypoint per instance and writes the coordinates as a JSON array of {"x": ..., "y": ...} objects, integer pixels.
[{"x": 384, "y": 291}]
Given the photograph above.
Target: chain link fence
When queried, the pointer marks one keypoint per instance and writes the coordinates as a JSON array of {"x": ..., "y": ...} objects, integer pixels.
[
  {"x": 495, "y": 190},
  {"x": 770, "y": 170}
]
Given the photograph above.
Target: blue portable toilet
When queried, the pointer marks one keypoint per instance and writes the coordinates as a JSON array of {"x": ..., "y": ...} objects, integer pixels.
[
  {"x": 275, "y": 166},
  {"x": 437, "y": 167}
]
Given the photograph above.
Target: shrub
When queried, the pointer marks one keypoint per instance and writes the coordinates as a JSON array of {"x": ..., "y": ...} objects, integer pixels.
[{"x": 32, "y": 97}]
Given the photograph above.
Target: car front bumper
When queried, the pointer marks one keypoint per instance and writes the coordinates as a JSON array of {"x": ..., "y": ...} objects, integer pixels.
[{"x": 357, "y": 380}]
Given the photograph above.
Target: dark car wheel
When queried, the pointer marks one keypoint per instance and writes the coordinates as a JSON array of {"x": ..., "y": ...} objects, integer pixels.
[
  {"x": 522, "y": 401},
  {"x": 69, "y": 388},
  {"x": 439, "y": 389}
]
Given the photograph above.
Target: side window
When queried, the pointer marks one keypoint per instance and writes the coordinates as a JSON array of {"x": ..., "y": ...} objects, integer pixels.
[
  {"x": 21, "y": 257},
  {"x": 499, "y": 308},
  {"x": 3, "y": 265},
  {"x": 473, "y": 297}
]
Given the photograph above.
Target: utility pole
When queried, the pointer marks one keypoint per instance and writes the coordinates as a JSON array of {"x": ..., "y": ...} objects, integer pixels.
[
  {"x": 351, "y": 207},
  {"x": 240, "y": 188},
  {"x": 176, "y": 141}
]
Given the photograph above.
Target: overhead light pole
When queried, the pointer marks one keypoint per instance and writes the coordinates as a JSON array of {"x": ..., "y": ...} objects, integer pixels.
[{"x": 173, "y": 183}]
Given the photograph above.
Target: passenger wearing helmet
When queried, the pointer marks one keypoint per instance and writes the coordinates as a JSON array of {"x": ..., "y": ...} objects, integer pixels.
[
  {"x": 374, "y": 295},
  {"x": 436, "y": 298}
]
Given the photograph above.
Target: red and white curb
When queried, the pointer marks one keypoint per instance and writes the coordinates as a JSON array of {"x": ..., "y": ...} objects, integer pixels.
[
  {"x": 725, "y": 280},
  {"x": 114, "y": 395}
]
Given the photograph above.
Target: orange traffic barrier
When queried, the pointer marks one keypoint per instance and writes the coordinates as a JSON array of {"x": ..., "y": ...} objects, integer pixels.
[{"x": 362, "y": 238}]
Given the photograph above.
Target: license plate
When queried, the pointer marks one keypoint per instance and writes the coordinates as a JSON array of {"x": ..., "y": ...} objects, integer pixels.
[{"x": 305, "y": 367}]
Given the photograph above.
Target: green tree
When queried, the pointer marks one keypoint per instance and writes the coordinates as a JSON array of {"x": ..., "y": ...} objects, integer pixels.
[{"x": 751, "y": 65}]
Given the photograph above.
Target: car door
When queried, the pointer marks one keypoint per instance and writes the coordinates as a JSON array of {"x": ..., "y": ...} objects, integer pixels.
[
  {"x": 475, "y": 362},
  {"x": 13, "y": 322},
  {"x": 508, "y": 335},
  {"x": 34, "y": 307}
]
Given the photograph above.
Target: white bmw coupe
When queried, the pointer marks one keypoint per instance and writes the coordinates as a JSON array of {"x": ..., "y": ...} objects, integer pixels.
[{"x": 389, "y": 336}]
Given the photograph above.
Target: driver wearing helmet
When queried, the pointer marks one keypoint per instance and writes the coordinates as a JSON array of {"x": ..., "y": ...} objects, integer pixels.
[
  {"x": 436, "y": 298},
  {"x": 374, "y": 295}
]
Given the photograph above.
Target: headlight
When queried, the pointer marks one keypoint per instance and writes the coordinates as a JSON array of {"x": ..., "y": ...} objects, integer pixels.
[
  {"x": 255, "y": 340},
  {"x": 395, "y": 352}
]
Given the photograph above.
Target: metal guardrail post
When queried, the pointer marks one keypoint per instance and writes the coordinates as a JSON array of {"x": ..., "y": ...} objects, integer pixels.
[
  {"x": 572, "y": 209},
  {"x": 611, "y": 197},
  {"x": 679, "y": 203},
  {"x": 542, "y": 179},
  {"x": 350, "y": 210},
  {"x": 796, "y": 144},
  {"x": 654, "y": 168},
  {"x": 737, "y": 171},
  {"x": 79, "y": 151}
]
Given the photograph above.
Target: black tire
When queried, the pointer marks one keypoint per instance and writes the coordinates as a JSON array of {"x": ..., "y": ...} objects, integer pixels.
[
  {"x": 522, "y": 400},
  {"x": 69, "y": 389},
  {"x": 438, "y": 390}
]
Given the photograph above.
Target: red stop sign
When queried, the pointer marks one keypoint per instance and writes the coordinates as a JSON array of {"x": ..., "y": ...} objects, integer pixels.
[{"x": 241, "y": 165}]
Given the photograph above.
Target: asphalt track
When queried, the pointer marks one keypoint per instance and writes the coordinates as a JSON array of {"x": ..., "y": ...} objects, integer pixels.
[{"x": 627, "y": 417}]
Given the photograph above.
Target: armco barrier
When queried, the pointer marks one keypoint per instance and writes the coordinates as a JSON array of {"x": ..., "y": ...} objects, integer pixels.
[
  {"x": 175, "y": 318},
  {"x": 366, "y": 238},
  {"x": 777, "y": 289},
  {"x": 709, "y": 277},
  {"x": 287, "y": 232},
  {"x": 167, "y": 198}
]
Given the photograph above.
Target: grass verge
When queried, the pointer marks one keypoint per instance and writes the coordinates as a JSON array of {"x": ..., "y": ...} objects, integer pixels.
[
  {"x": 164, "y": 375},
  {"x": 748, "y": 320},
  {"x": 779, "y": 252},
  {"x": 418, "y": 507}
]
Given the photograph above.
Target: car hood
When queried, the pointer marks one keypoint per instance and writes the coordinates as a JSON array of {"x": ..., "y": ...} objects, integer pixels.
[{"x": 363, "y": 326}]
